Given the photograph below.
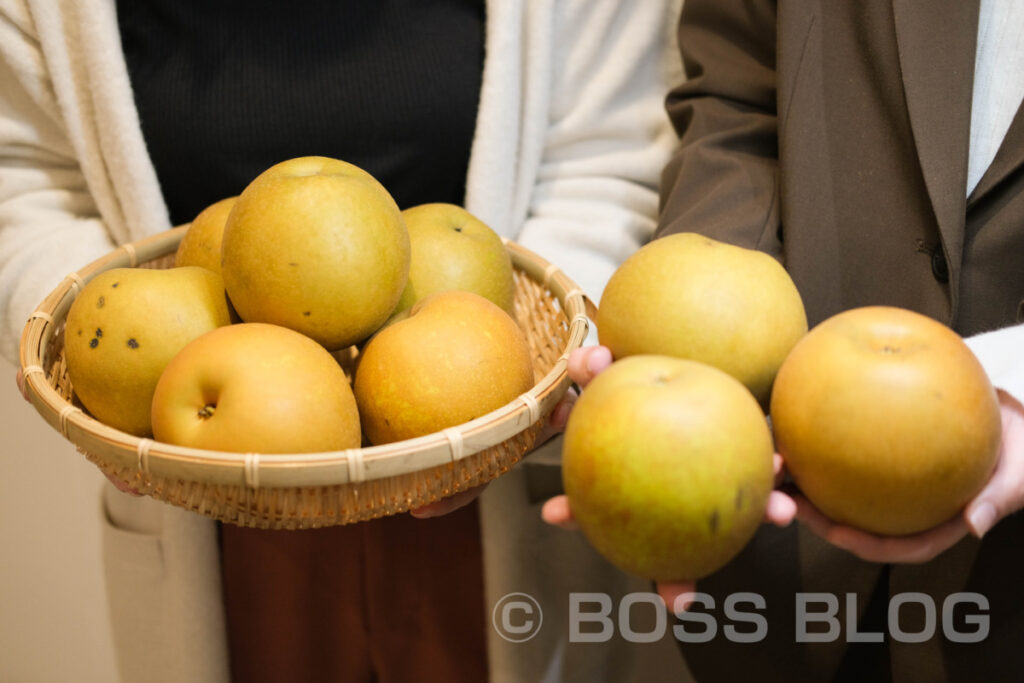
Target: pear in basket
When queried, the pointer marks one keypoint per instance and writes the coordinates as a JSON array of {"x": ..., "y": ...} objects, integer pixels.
[
  {"x": 689, "y": 296},
  {"x": 453, "y": 249},
  {"x": 316, "y": 245},
  {"x": 255, "y": 387},
  {"x": 200, "y": 246},
  {"x": 454, "y": 357},
  {"x": 125, "y": 326}
]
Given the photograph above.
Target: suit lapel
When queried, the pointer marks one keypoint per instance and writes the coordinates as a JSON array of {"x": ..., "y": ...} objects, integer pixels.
[
  {"x": 1009, "y": 157},
  {"x": 936, "y": 41}
]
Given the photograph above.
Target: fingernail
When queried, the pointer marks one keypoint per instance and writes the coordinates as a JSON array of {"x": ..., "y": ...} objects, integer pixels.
[
  {"x": 982, "y": 519},
  {"x": 599, "y": 358}
]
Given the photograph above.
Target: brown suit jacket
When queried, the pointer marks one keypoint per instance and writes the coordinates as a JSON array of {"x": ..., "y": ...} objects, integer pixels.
[{"x": 834, "y": 135}]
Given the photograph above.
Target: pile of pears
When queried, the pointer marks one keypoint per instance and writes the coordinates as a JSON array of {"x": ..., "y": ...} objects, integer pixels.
[{"x": 235, "y": 347}]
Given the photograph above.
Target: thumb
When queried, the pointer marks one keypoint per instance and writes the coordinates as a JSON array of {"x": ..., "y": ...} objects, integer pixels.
[
  {"x": 678, "y": 596},
  {"x": 1004, "y": 492},
  {"x": 587, "y": 362}
]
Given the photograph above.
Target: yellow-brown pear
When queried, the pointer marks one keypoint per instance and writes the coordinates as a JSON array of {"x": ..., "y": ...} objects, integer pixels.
[
  {"x": 254, "y": 387},
  {"x": 667, "y": 464},
  {"x": 316, "y": 245},
  {"x": 453, "y": 249},
  {"x": 200, "y": 245},
  {"x": 125, "y": 326},
  {"x": 689, "y": 296},
  {"x": 455, "y": 357},
  {"x": 886, "y": 420}
]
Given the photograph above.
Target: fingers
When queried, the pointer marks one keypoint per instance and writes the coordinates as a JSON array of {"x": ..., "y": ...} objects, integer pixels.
[
  {"x": 779, "y": 468},
  {"x": 558, "y": 418},
  {"x": 781, "y": 509},
  {"x": 912, "y": 549},
  {"x": 677, "y": 595},
  {"x": 449, "y": 504},
  {"x": 560, "y": 415},
  {"x": 19, "y": 378},
  {"x": 123, "y": 487},
  {"x": 1004, "y": 492},
  {"x": 556, "y": 512},
  {"x": 585, "y": 363},
  {"x": 811, "y": 517}
]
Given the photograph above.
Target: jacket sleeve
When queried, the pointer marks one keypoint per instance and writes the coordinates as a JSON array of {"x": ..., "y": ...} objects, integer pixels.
[
  {"x": 49, "y": 223},
  {"x": 606, "y": 136},
  {"x": 722, "y": 179}
]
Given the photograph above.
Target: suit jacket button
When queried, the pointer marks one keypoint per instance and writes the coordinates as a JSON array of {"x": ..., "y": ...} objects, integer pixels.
[{"x": 940, "y": 269}]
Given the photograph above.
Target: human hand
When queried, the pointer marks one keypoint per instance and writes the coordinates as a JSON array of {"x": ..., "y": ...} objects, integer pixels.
[
  {"x": 449, "y": 504},
  {"x": 1001, "y": 496},
  {"x": 584, "y": 365},
  {"x": 19, "y": 379}
]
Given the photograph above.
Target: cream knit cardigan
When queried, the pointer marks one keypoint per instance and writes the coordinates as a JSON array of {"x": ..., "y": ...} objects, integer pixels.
[{"x": 571, "y": 137}]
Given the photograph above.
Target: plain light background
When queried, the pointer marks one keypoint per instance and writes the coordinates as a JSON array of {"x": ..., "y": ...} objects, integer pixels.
[{"x": 53, "y": 609}]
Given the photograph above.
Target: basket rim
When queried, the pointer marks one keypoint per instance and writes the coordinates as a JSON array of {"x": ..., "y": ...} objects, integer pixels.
[{"x": 261, "y": 470}]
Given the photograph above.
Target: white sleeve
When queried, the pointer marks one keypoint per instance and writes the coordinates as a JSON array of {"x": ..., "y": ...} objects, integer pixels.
[
  {"x": 49, "y": 223},
  {"x": 1001, "y": 353},
  {"x": 608, "y": 137}
]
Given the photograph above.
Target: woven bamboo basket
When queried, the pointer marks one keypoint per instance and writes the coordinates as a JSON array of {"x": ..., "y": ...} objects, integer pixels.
[{"x": 308, "y": 490}]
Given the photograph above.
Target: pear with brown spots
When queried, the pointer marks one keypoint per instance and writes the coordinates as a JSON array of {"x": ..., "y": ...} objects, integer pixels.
[{"x": 123, "y": 329}]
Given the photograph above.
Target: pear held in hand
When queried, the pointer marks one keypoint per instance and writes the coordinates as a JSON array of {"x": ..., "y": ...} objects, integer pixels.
[
  {"x": 886, "y": 420},
  {"x": 123, "y": 329},
  {"x": 667, "y": 464},
  {"x": 689, "y": 296}
]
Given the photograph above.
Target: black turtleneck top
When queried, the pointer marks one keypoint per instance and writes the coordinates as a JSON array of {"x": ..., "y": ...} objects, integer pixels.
[{"x": 227, "y": 88}]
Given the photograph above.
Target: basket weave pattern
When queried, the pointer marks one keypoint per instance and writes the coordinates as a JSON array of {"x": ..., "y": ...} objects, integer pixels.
[{"x": 312, "y": 490}]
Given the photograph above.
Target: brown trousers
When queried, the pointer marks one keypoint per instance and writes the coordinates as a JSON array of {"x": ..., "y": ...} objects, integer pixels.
[{"x": 391, "y": 600}]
